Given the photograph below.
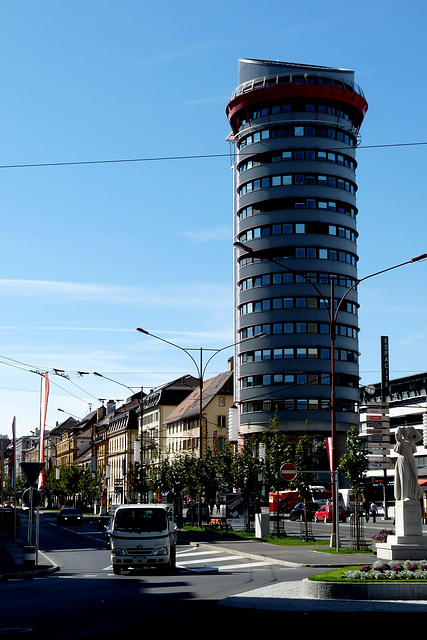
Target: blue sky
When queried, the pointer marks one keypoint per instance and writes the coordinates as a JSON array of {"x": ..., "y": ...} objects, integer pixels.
[{"x": 91, "y": 251}]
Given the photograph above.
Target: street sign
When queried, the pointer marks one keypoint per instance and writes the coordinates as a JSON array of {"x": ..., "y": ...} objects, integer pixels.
[
  {"x": 32, "y": 470},
  {"x": 32, "y": 498},
  {"x": 288, "y": 471}
]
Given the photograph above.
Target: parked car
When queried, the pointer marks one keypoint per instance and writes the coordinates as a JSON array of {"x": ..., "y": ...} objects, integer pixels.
[
  {"x": 324, "y": 514},
  {"x": 297, "y": 512},
  {"x": 107, "y": 532},
  {"x": 69, "y": 515}
]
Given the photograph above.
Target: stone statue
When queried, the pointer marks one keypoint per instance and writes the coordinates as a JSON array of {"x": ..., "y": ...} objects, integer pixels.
[{"x": 406, "y": 485}]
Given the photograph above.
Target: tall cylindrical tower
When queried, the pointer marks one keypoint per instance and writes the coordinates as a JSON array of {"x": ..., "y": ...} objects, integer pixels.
[{"x": 295, "y": 128}]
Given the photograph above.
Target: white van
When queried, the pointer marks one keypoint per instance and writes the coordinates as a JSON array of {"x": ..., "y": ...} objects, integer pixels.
[{"x": 143, "y": 535}]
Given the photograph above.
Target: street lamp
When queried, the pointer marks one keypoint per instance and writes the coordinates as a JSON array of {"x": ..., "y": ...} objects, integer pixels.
[
  {"x": 100, "y": 375},
  {"x": 128, "y": 448},
  {"x": 200, "y": 368},
  {"x": 69, "y": 414},
  {"x": 332, "y": 316}
]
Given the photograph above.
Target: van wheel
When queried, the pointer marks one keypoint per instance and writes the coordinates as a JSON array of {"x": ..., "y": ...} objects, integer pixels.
[{"x": 116, "y": 570}]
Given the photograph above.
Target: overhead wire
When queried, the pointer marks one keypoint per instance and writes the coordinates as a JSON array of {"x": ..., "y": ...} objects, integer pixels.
[
  {"x": 169, "y": 158},
  {"x": 23, "y": 366}
]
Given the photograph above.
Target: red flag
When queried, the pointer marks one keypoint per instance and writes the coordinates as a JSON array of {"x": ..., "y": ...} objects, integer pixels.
[
  {"x": 328, "y": 442},
  {"x": 42, "y": 479},
  {"x": 12, "y": 462}
]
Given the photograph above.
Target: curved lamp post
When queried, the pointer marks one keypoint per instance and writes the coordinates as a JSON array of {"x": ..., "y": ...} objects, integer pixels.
[
  {"x": 200, "y": 368},
  {"x": 70, "y": 414},
  {"x": 132, "y": 390},
  {"x": 332, "y": 317}
]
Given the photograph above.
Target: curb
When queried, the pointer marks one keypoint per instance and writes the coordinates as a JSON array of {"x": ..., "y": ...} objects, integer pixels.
[{"x": 31, "y": 573}]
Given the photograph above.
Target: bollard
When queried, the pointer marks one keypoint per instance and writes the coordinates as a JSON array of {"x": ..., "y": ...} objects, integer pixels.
[
  {"x": 262, "y": 523},
  {"x": 29, "y": 557}
]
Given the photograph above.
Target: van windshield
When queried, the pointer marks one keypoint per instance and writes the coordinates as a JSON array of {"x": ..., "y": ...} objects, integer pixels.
[{"x": 140, "y": 520}]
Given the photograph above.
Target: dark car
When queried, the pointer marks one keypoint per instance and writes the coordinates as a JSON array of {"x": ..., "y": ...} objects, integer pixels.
[
  {"x": 297, "y": 512},
  {"x": 69, "y": 515},
  {"x": 107, "y": 532}
]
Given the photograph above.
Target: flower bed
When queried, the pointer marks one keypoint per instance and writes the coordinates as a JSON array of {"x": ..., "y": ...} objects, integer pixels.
[
  {"x": 381, "y": 536},
  {"x": 408, "y": 570}
]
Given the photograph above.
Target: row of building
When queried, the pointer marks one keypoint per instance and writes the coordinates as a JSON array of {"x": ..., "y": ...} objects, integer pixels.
[{"x": 174, "y": 418}]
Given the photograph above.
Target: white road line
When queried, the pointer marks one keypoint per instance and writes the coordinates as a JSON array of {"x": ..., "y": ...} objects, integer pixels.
[
  {"x": 196, "y": 553},
  {"x": 218, "y": 559},
  {"x": 244, "y": 566}
]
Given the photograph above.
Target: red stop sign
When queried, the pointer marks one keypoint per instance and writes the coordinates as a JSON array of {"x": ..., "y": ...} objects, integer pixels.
[{"x": 288, "y": 471}]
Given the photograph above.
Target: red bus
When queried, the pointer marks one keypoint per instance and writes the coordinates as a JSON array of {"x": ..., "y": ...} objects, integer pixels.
[
  {"x": 288, "y": 499},
  {"x": 285, "y": 499}
]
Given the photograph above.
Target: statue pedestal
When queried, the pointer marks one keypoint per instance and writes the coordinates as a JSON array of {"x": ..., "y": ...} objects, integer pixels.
[{"x": 409, "y": 542}]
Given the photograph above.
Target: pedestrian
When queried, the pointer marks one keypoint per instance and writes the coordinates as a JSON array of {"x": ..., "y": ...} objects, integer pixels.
[
  {"x": 373, "y": 510},
  {"x": 366, "y": 509}
]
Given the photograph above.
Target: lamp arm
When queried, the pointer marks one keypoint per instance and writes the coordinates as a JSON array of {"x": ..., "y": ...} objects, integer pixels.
[{"x": 172, "y": 344}]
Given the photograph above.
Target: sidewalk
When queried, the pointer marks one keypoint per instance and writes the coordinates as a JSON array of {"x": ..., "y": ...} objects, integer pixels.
[{"x": 12, "y": 560}]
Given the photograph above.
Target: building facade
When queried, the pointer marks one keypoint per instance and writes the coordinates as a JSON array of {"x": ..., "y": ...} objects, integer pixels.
[
  {"x": 405, "y": 401},
  {"x": 184, "y": 435},
  {"x": 155, "y": 409},
  {"x": 294, "y": 137}
]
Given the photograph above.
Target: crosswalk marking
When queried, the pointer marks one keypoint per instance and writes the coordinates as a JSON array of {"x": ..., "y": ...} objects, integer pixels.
[
  {"x": 196, "y": 553},
  {"x": 244, "y": 566},
  {"x": 213, "y": 559},
  {"x": 217, "y": 559}
]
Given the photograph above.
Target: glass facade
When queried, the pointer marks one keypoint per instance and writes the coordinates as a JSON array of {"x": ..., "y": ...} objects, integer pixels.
[{"x": 295, "y": 130}]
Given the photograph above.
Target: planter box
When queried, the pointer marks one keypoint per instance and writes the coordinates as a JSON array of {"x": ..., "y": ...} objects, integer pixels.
[
  {"x": 376, "y": 541},
  {"x": 364, "y": 590}
]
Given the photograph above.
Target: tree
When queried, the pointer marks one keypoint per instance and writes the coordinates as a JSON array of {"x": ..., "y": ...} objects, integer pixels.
[
  {"x": 224, "y": 470},
  {"x": 354, "y": 466},
  {"x": 139, "y": 478},
  {"x": 53, "y": 487},
  {"x": 277, "y": 452},
  {"x": 306, "y": 460},
  {"x": 247, "y": 469},
  {"x": 207, "y": 468},
  {"x": 90, "y": 484}
]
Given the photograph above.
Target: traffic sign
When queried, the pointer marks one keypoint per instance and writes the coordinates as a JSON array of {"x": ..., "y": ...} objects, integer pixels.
[
  {"x": 32, "y": 498},
  {"x": 32, "y": 470},
  {"x": 288, "y": 471}
]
